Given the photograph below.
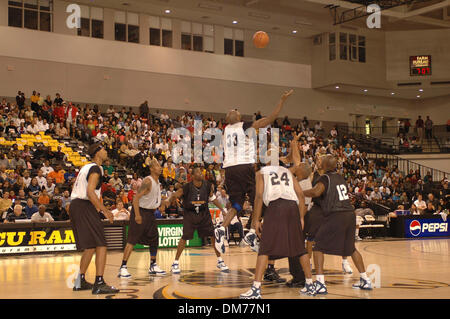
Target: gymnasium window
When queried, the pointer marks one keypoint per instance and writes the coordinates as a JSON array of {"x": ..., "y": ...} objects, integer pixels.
[
  {"x": 332, "y": 46},
  {"x": 234, "y": 42},
  {"x": 160, "y": 31},
  {"x": 126, "y": 26},
  {"x": 353, "y": 48},
  {"x": 343, "y": 46},
  {"x": 133, "y": 27},
  {"x": 197, "y": 37},
  {"x": 31, "y": 14},
  {"x": 362, "y": 49},
  {"x": 91, "y": 22}
]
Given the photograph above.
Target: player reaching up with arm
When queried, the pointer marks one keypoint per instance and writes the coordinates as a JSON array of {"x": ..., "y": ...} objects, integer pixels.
[{"x": 239, "y": 163}]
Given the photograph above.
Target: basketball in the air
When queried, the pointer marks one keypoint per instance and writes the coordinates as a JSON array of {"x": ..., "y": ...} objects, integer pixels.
[{"x": 260, "y": 39}]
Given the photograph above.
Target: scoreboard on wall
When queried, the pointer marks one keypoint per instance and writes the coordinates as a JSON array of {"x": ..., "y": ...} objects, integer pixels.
[{"x": 420, "y": 65}]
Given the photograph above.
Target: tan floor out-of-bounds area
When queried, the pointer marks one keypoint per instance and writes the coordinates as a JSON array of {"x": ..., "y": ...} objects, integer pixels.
[{"x": 404, "y": 269}]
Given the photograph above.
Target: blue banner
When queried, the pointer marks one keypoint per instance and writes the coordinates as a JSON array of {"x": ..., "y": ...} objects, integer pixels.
[{"x": 426, "y": 227}]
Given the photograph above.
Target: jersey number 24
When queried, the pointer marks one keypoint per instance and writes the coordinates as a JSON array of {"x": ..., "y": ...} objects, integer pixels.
[{"x": 274, "y": 180}]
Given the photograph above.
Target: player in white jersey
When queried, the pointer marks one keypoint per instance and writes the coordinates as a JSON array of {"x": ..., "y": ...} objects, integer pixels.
[
  {"x": 143, "y": 227},
  {"x": 282, "y": 234},
  {"x": 239, "y": 164},
  {"x": 86, "y": 223}
]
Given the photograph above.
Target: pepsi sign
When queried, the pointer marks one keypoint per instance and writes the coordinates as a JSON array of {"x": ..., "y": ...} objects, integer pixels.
[{"x": 433, "y": 227}]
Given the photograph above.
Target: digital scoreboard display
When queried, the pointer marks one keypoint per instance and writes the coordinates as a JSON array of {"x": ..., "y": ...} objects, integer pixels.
[{"x": 420, "y": 65}]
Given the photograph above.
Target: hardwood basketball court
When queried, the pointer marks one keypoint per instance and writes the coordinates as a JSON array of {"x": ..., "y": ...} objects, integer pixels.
[{"x": 411, "y": 269}]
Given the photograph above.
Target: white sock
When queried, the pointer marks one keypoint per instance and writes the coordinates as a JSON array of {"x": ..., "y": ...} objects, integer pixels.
[
  {"x": 357, "y": 232},
  {"x": 252, "y": 231},
  {"x": 364, "y": 276},
  {"x": 175, "y": 261},
  {"x": 344, "y": 261},
  {"x": 321, "y": 278},
  {"x": 219, "y": 259},
  {"x": 257, "y": 284},
  {"x": 309, "y": 281}
]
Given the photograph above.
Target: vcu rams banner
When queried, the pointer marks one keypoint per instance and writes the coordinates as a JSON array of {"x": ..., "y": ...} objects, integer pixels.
[
  {"x": 426, "y": 227},
  {"x": 13, "y": 241}
]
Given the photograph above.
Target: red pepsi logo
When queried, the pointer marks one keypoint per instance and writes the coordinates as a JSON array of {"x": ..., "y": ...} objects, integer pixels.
[{"x": 415, "y": 228}]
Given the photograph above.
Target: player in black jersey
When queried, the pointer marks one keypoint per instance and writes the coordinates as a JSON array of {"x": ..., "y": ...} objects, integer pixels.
[
  {"x": 314, "y": 219},
  {"x": 336, "y": 235},
  {"x": 196, "y": 196}
]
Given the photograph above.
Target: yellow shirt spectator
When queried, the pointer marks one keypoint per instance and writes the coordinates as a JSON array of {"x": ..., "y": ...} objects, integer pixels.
[{"x": 169, "y": 172}]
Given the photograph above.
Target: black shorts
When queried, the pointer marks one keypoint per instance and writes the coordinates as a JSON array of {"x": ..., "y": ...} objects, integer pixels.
[
  {"x": 314, "y": 218},
  {"x": 336, "y": 236},
  {"x": 87, "y": 225},
  {"x": 201, "y": 222},
  {"x": 145, "y": 233},
  {"x": 240, "y": 181},
  {"x": 282, "y": 234}
]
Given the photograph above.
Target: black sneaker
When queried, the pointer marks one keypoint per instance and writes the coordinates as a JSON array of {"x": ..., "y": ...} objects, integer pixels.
[
  {"x": 84, "y": 285},
  {"x": 295, "y": 284},
  {"x": 103, "y": 288},
  {"x": 271, "y": 275}
]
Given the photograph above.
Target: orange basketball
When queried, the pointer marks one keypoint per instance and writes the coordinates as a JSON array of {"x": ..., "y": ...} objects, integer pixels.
[{"x": 260, "y": 39}]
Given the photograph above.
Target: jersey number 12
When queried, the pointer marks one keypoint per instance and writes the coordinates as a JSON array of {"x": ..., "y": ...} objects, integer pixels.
[{"x": 342, "y": 191}]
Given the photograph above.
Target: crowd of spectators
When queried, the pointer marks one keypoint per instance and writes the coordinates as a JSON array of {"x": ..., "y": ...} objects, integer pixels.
[{"x": 35, "y": 183}]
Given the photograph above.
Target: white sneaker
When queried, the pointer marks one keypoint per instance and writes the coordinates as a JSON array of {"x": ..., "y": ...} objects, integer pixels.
[
  {"x": 223, "y": 268},
  {"x": 252, "y": 240},
  {"x": 347, "y": 268},
  {"x": 320, "y": 288},
  {"x": 219, "y": 235},
  {"x": 123, "y": 272},
  {"x": 155, "y": 270},
  {"x": 253, "y": 293},
  {"x": 357, "y": 238},
  {"x": 175, "y": 268},
  {"x": 363, "y": 284}
]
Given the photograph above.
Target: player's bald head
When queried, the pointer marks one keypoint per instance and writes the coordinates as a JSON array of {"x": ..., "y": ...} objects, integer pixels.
[
  {"x": 329, "y": 163},
  {"x": 303, "y": 171},
  {"x": 233, "y": 117},
  {"x": 153, "y": 163}
]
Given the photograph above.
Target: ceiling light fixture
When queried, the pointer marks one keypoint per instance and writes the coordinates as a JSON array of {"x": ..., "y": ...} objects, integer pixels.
[
  {"x": 167, "y": 11},
  {"x": 235, "y": 22}
]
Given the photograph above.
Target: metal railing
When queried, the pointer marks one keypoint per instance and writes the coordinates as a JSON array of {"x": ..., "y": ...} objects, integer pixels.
[
  {"x": 390, "y": 143},
  {"x": 405, "y": 166}
]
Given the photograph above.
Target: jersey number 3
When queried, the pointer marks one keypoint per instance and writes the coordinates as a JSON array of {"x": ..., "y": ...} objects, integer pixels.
[
  {"x": 232, "y": 140},
  {"x": 274, "y": 179},
  {"x": 342, "y": 191}
]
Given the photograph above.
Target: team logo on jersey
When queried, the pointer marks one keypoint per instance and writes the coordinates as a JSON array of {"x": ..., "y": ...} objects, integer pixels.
[{"x": 415, "y": 228}]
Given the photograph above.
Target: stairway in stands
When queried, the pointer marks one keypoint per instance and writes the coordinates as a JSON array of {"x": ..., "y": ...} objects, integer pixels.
[{"x": 430, "y": 146}]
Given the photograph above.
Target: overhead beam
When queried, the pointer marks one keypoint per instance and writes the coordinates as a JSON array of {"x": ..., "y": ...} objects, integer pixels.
[{"x": 356, "y": 11}]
